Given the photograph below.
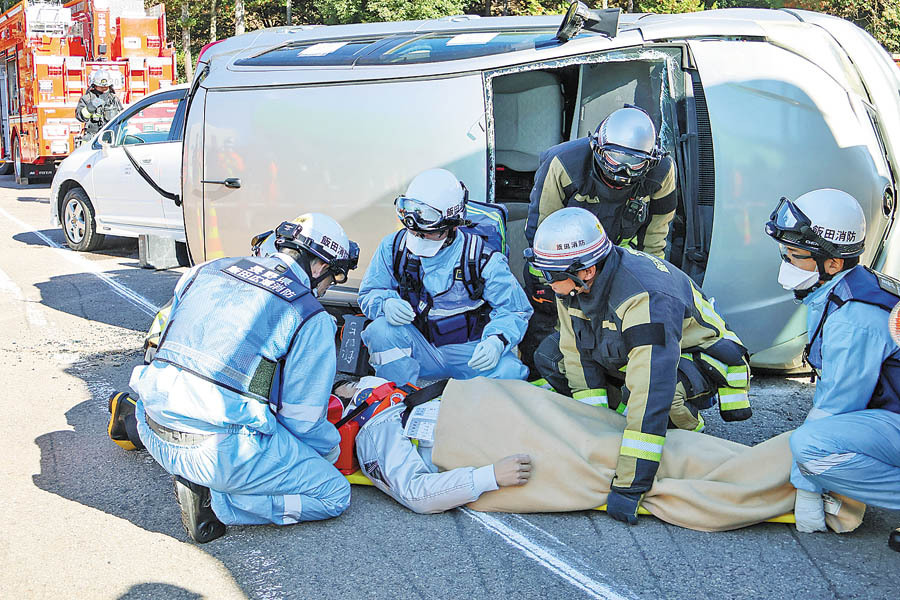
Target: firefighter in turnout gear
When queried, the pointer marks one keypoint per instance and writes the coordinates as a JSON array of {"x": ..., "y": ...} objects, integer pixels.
[
  {"x": 442, "y": 303},
  {"x": 621, "y": 175},
  {"x": 850, "y": 441},
  {"x": 100, "y": 104},
  {"x": 637, "y": 336},
  {"x": 233, "y": 402}
]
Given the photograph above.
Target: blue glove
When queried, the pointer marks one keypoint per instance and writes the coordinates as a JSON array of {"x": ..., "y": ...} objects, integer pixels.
[
  {"x": 623, "y": 506},
  {"x": 487, "y": 354},
  {"x": 398, "y": 312}
]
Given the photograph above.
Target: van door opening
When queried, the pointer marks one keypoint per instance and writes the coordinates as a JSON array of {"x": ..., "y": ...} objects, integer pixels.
[{"x": 536, "y": 109}]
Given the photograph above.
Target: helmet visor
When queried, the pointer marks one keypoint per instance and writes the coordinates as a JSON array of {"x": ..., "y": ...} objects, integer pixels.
[
  {"x": 788, "y": 225},
  {"x": 418, "y": 216}
]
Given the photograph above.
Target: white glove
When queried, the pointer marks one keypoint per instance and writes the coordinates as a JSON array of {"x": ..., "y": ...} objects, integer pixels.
[
  {"x": 809, "y": 512},
  {"x": 487, "y": 354},
  {"x": 398, "y": 312}
]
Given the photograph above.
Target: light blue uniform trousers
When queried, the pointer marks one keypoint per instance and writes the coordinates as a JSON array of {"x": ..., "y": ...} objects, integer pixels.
[
  {"x": 402, "y": 354},
  {"x": 255, "y": 478},
  {"x": 856, "y": 454}
]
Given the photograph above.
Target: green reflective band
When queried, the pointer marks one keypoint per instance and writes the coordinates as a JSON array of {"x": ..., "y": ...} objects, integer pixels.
[
  {"x": 642, "y": 445},
  {"x": 629, "y": 243},
  {"x": 718, "y": 365},
  {"x": 687, "y": 357},
  {"x": 621, "y": 408},
  {"x": 542, "y": 383},
  {"x": 731, "y": 399},
  {"x": 534, "y": 271},
  {"x": 738, "y": 377},
  {"x": 593, "y": 397},
  {"x": 701, "y": 424}
]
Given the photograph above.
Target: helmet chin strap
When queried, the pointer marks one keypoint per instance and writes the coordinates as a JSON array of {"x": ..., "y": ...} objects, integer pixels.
[
  {"x": 824, "y": 277},
  {"x": 303, "y": 260}
]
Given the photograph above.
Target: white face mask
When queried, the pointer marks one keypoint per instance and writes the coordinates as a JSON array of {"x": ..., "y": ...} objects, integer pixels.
[
  {"x": 792, "y": 277},
  {"x": 423, "y": 247}
]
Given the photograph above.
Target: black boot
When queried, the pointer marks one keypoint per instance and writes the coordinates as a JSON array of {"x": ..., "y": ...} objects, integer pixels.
[
  {"x": 894, "y": 540},
  {"x": 122, "y": 426},
  {"x": 197, "y": 515}
]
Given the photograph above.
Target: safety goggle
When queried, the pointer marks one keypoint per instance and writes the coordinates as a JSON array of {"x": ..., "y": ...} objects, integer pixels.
[
  {"x": 789, "y": 225},
  {"x": 340, "y": 267},
  {"x": 570, "y": 272},
  {"x": 418, "y": 216},
  {"x": 624, "y": 160}
]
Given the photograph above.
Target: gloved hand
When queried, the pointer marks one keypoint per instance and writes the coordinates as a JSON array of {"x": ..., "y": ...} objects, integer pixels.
[
  {"x": 623, "y": 506},
  {"x": 487, "y": 354},
  {"x": 86, "y": 113},
  {"x": 809, "y": 512},
  {"x": 398, "y": 312}
]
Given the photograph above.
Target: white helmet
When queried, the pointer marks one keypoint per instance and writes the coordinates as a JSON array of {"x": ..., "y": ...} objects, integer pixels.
[
  {"x": 827, "y": 222},
  {"x": 625, "y": 145},
  {"x": 322, "y": 237},
  {"x": 435, "y": 200},
  {"x": 101, "y": 77},
  {"x": 567, "y": 241}
]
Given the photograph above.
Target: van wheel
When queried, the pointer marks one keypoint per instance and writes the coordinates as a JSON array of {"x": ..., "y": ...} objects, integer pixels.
[
  {"x": 78, "y": 222},
  {"x": 17, "y": 162}
]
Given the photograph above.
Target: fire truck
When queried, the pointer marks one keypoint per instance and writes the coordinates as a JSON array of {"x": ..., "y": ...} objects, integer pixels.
[{"x": 48, "y": 51}]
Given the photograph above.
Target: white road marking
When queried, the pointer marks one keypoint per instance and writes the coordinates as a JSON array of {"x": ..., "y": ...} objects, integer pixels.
[
  {"x": 518, "y": 540},
  {"x": 142, "y": 303},
  {"x": 544, "y": 557},
  {"x": 32, "y": 312}
]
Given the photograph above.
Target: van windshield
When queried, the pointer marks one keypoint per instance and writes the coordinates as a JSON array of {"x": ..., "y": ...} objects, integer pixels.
[{"x": 401, "y": 49}]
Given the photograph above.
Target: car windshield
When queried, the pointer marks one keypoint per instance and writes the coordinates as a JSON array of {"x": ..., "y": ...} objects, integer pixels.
[{"x": 402, "y": 49}]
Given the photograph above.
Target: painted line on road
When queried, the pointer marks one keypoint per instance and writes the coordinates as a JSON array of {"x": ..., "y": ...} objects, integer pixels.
[
  {"x": 138, "y": 300},
  {"x": 544, "y": 557},
  {"x": 32, "y": 313}
]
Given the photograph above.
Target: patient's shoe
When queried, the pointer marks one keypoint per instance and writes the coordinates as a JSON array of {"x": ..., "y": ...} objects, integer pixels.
[
  {"x": 197, "y": 515},
  {"x": 122, "y": 426}
]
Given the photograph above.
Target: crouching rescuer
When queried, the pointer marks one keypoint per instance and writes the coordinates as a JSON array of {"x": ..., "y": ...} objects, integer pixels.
[
  {"x": 234, "y": 401},
  {"x": 637, "y": 336}
]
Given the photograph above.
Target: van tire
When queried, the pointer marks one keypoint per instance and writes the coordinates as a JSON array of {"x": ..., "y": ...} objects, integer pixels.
[{"x": 78, "y": 222}]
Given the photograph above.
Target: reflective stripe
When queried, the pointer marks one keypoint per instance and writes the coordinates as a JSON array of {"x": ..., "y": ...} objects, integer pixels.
[
  {"x": 592, "y": 397},
  {"x": 622, "y": 409},
  {"x": 534, "y": 271},
  {"x": 701, "y": 424},
  {"x": 707, "y": 310},
  {"x": 302, "y": 412},
  {"x": 732, "y": 399},
  {"x": 390, "y": 355},
  {"x": 820, "y": 465},
  {"x": 494, "y": 217},
  {"x": 449, "y": 312},
  {"x": 642, "y": 445},
  {"x": 293, "y": 506},
  {"x": 738, "y": 377},
  {"x": 717, "y": 364},
  {"x": 542, "y": 383}
]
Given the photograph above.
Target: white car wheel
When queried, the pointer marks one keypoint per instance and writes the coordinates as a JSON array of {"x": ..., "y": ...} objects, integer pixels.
[{"x": 78, "y": 223}]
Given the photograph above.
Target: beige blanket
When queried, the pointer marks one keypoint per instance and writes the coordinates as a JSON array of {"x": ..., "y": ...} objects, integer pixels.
[{"x": 703, "y": 483}]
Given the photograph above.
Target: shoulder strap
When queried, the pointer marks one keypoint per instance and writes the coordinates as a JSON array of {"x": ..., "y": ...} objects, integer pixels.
[
  {"x": 421, "y": 396},
  {"x": 407, "y": 268},
  {"x": 474, "y": 257}
]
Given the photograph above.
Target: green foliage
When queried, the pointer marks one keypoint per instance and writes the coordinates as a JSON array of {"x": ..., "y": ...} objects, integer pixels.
[
  {"x": 881, "y": 18},
  {"x": 669, "y": 6},
  {"x": 367, "y": 11}
]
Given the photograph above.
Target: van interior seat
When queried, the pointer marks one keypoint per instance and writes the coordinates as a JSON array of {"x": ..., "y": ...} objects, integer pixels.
[{"x": 528, "y": 118}]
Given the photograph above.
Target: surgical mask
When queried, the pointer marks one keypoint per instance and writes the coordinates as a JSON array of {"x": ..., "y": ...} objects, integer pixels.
[
  {"x": 423, "y": 247},
  {"x": 792, "y": 277}
]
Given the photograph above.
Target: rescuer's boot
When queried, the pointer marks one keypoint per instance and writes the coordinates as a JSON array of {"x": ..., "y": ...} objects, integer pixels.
[
  {"x": 894, "y": 540},
  {"x": 197, "y": 515},
  {"x": 122, "y": 426}
]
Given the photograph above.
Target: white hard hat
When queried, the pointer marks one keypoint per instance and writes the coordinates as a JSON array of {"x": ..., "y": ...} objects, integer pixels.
[
  {"x": 568, "y": 240},
  {"x": 435, "y": 200},
  {"x": 101, "y": 77},
  {"x": 322, "y": 237},
  {"x": 826, "y": 222},
  {"x": 625, "y": 145}
]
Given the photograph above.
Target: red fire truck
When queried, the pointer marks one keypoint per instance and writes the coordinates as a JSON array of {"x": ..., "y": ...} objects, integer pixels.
[{"x": 47, "y": 53}]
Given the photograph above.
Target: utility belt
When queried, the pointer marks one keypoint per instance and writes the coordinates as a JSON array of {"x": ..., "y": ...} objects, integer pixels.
[
  {"x": 455, "y": 329},
  {"x": 173, "y": 436}
]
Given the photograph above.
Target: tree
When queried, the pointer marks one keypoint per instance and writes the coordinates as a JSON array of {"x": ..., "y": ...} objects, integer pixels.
[
  {"x": 367, "y": 11},
  {"x": 881, "y": 18},
  {"x": 212, "y": 21},
  {"x": 238, "y": 17},
  {"x": 186, "y": 40}
]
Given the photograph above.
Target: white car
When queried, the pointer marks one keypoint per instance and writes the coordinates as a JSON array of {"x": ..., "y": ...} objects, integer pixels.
[{"x": 126, "y": 180}]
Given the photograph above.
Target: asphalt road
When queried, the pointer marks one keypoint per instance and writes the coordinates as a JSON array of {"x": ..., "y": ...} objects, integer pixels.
[{"x": 83, "y": 519}]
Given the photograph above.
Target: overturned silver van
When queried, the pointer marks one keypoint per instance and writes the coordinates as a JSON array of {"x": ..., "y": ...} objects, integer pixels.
[{"x": 752, "y": 104}]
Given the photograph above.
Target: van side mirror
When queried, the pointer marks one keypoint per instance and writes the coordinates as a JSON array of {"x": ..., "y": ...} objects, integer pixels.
[{"x": 106, "y": 141}]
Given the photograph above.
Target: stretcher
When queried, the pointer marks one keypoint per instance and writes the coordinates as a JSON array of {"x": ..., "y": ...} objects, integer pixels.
[{"x": 358, "y": 478}]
